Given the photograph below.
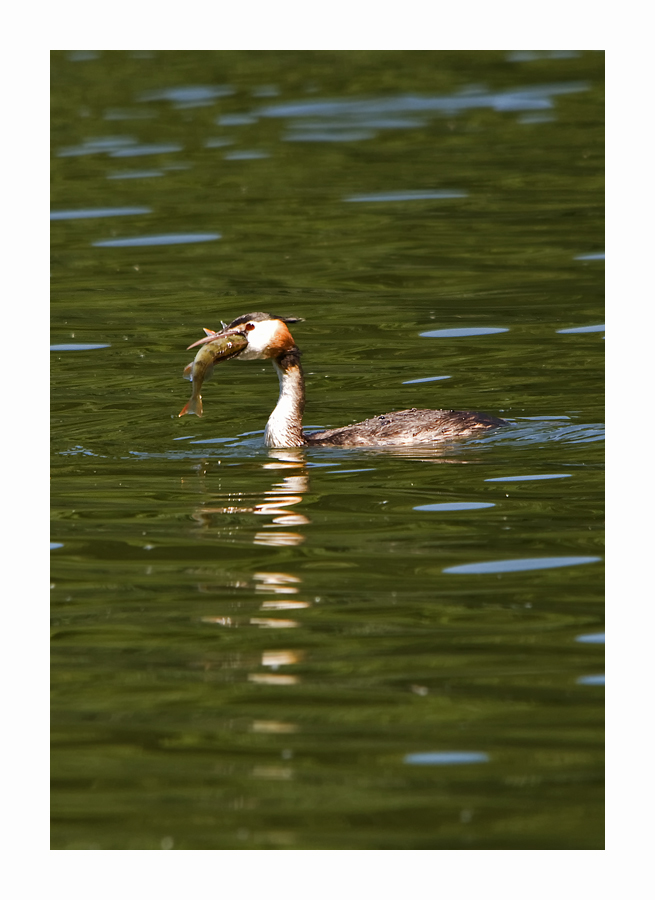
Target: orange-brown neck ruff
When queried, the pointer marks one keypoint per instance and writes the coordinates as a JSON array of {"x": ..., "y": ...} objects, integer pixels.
[{"x": 282, "y": 341}]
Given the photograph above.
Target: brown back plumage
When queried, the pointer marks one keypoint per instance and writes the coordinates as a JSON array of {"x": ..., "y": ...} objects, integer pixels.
[{"x": 407, "y": 426}]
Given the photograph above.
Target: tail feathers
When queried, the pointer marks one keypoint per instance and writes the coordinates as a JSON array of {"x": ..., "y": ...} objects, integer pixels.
[{"x": 193, "y": 406}]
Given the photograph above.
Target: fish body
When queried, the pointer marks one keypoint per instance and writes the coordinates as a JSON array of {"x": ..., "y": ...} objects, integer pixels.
[{"x": 222, "y": 347}]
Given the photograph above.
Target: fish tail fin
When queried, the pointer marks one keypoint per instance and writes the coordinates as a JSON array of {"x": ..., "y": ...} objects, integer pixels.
[{"x": 193, "y": 406}]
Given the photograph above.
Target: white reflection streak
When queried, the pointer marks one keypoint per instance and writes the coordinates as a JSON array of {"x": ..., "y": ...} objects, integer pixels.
[
  {"x": 276, "y": 582},
  {"x": 283, "y": 494},
  {"x": 272, "y": 678},
  {"x": 273, "y": 726},
  {"x": 272, "y": 660},
  {"x": 275, "y": 623},
  {"x": 278, "y": 538},
  {"x": 276, "y": 658},
  {"x": 285, "y": 604},
  {"x": 278, "y": 499}
]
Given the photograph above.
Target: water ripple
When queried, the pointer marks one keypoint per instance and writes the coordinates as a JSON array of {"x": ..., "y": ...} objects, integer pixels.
[
  {"x": 188, "y": 95},
  {"x": 58, "y": 215},
  {"x": 399, "y": 196},
  {"x": 452, "y": 507},
  {"x": 461, "y": 332},
  {"x": 583, "y": 329},
  {"x": 544, "y": 431},
  {"x": 430, "y": 378},
  {"x": 80, "y": 346},
  {"x": 453, "y": 758},
  {"x": 147, "y": 150},
  {"x": 157, "y": 239},
  {"x": 526, "y": 98},
  {"x": 520, "y": 565},
  {"x": 529, "y": 477},
  {"x": 136, "y": 173}
]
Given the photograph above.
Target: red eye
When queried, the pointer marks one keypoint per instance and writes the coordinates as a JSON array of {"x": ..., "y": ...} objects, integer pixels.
[{"x": 249, "y": 326}]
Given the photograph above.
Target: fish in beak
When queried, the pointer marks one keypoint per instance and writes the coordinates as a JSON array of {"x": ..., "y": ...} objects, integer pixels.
[
  {"x": 216, "y": 347},
  {"x": 215, "y": 335}
]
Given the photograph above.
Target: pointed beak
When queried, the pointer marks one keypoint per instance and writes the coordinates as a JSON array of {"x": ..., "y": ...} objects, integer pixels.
[{"x": 216, "y": 335}]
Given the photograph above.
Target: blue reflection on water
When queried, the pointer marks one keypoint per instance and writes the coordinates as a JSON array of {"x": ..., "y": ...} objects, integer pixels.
[
  {"x": 591, "y": 638},
  {"x": 99, "y": 213},
  {"x": 527, "y": 98},
  {"x": 399, "y": 196},
  {"x": 97, "y": 145},
  {"x": 80, "y": 346},
  {"x": 188, "y": 95},
  {"x": 236, "y": 119},
  {"x": 454, "y": 758},
  {"x": 532, "y": 55},
  {"x": 147, "y": 150},
  {"x": 597, "y": 680},
  {"x": 540, "y": 430},
  {"x": 461, "y": 332},
  {"x": 348, "y": 471},
  {"x": 452, "y": 507},
  {"x": 208, "y": 441},
  {"x": 78, "y": 450},
  {"x": 143, "y": 173},
  {"x": 528, "y": 477},
  {"x": 325, "y": 136},
  {"x": 583, "y": 329},
  {"x": 520, "y": 565},
  {"x": 82, "y": 55},
  {"x": 120, "y": 115},
  {"x": 431, "y": 378},
  {"x": 246, "y": 154},
  {"x": 155, "y": 239},
  {"x": 363, "y": 118}
]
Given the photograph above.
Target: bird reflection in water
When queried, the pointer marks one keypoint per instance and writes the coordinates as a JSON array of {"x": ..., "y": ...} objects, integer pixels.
[
  {"x": 274, "y": 611},
  {"x": 276, "y": 502},
  {"x": 283, "y": 495}
]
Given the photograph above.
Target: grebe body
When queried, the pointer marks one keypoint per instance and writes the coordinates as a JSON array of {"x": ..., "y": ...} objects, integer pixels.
[
  {"x": 268, "y": 337},
  {"x": 407, "y": 427}
]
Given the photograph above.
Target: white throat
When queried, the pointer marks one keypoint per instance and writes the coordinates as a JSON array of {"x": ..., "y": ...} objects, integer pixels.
[
  {"x": 260, "y": 339},
  {"x": 284, "y": 427}
]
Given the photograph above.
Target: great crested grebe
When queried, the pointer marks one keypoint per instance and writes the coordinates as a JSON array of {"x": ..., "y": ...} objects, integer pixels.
[{"x": 269, "y": 338}]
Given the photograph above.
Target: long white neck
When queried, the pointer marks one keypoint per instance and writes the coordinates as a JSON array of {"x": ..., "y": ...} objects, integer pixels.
[{"x": 284, "y": 427}]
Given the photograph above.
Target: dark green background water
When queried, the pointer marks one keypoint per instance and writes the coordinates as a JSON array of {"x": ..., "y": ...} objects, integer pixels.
[{"x": 251, "y": 648}]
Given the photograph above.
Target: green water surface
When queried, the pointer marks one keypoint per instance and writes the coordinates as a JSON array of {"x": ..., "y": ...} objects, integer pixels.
[{"x": 327, "y": 648}]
